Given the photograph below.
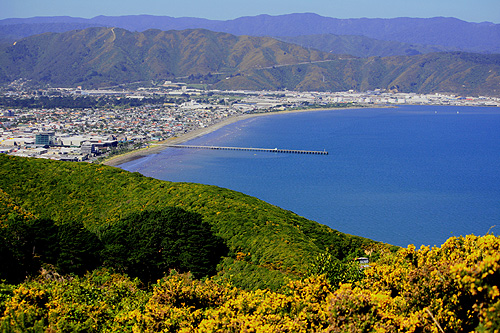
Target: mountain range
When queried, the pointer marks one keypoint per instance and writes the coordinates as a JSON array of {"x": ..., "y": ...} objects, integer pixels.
[
  {"x": 362, "y": 46},
  {"x": 307, "y": 52},
  {"x": 97, "y": 57},
  {"x": 450, "y": 33}
]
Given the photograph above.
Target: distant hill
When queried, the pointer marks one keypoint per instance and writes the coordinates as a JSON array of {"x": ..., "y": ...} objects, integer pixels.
[
  {"x": 361, "y": 46},
  {"x": 12, "y": 32},
  {"x": 450, "y": 33},
  {"x": 97, "y": 57},
  {"x": 457, "y": 73},
  {"x": 106, "y": 56}
]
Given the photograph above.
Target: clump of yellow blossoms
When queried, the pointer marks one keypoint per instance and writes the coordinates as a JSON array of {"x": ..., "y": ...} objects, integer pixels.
[{"x": 452, "y": 288}]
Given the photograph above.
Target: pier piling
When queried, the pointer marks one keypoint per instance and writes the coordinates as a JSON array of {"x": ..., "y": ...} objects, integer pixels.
[{"x": 269, "y": 150}]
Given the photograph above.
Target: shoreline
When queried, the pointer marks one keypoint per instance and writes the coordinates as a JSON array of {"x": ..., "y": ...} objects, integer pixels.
[{"x": 155, "y": 149}]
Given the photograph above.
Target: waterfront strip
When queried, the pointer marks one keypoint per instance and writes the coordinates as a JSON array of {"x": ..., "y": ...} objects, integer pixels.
[{"x": 156, "y": 148}]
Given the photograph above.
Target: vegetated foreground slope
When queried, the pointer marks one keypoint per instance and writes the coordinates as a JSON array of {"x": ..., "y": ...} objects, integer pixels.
[
  {"x": 98, "y": 57},
  {"x": 454, "y": 288},
  {"x": 261, "y": 236}
]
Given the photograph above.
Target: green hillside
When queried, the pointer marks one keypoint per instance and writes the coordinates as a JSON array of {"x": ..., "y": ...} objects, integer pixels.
[
  {"x": 81, "y": 243},
  {"x": 262, "y": 237}
]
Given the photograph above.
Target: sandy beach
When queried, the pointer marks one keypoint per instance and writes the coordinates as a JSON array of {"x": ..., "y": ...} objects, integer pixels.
[{"x": 155, "y": 149}]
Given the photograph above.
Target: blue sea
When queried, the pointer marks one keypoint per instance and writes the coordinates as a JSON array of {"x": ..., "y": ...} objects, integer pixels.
[{"x": 407, "y": 175}]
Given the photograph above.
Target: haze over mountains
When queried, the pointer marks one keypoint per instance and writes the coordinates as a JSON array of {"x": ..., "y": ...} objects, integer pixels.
[
  {"x": 450, "y": 33},
  {"x": 238, "y": 56}
]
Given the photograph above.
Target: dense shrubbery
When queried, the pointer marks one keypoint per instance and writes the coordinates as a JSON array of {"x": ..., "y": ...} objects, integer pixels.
[
  {"x": 145, "y": 244},
  {"x": 454, "y": 288},
  {"x": 93, "y": 303},
  {"x": 276, "y": 242},
  {"x": 63, "y": 218},
  {"x": 27, "y": 243},
  {"x": 335, "y": 271},
  {"x": 149, "y": 243}
]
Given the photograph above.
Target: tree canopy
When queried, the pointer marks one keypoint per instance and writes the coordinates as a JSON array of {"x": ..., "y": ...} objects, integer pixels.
[{"x": 147, "y": 244}]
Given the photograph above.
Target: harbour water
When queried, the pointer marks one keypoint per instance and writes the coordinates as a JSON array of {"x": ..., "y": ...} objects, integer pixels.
[{"x": 408, "y": 175}]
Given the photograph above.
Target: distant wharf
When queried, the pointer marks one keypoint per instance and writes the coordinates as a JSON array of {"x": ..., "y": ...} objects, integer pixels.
[{"x": 268, "y": 150}]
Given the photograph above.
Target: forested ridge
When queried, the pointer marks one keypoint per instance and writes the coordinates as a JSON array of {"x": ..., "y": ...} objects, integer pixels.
[{"x": 91, "y": 248}]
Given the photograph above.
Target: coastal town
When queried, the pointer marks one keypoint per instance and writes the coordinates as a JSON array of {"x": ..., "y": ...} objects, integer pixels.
[{"x": 34, "y": 123}]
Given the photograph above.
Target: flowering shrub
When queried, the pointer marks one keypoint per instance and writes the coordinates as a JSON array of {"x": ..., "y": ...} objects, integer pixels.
[{"x": 454, "y": 288}]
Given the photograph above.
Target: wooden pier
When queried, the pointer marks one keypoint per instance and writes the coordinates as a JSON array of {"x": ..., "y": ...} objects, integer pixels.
[{"x": 268, "y": 150}]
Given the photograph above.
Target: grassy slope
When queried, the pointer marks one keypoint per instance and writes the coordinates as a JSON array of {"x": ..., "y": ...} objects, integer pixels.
[{"x": 270, "y": 237}]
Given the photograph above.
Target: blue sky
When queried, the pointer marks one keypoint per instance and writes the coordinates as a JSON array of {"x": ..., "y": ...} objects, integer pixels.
[{"x": 467, "y": 10}]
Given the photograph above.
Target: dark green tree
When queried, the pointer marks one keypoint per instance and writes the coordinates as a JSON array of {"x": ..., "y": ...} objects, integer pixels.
[
  {"x": 148, "y": 244},
  {"x": 26, "y": 244},
  {"x": 79, "y": 249},
  {"x": 10, "y": 254}
]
